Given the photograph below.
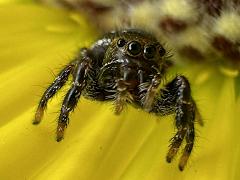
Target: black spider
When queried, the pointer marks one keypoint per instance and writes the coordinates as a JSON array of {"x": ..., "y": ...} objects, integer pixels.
[{"x": 127, "y": 66}]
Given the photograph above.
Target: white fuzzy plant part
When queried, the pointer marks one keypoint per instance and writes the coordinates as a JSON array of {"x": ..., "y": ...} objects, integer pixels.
[{"x": 197, "y": 30}]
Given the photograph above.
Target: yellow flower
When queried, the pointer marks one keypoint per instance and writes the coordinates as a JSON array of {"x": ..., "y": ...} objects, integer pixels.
[{"x": 98, "y": 145}]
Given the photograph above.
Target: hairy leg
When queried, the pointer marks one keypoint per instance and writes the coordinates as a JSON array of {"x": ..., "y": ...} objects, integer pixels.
[
  {"x": 78, "y": 68},
  {"x": 190, "y": 135},
  {"x": 72, "y": 96},
  {"x": 176, "y": 98},
  {"x": 59, "y": 81}
]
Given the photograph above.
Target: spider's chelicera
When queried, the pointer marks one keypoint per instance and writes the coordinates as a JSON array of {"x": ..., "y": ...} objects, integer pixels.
[{"x": 127, "y": 67}]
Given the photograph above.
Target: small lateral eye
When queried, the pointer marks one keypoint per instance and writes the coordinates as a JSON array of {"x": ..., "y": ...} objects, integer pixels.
[
  {"x": 134, "y": 48},
  {"x": 149, "y": 51},
  {"x": 121, "y": 42},
  {"x": 162, "y": 51}
]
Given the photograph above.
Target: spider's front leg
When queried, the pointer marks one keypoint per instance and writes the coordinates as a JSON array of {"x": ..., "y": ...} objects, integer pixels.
[
  {"x": 176, "y": 97},
  {"x": 79, "y": 69},
  {"x": 57, "y": 84},
  {"x": 70, "y": 100}
]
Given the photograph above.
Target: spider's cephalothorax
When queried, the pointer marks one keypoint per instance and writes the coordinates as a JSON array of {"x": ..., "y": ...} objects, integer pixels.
[{"x": 127, "y": 66}]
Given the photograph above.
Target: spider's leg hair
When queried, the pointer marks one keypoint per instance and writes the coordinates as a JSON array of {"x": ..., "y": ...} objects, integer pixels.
[
  {"x": 70, "y": 100},
  {"x": 190, "y": 135},
  {"x": 57, "y": 84},
  {"x": 176, "y": 98}
]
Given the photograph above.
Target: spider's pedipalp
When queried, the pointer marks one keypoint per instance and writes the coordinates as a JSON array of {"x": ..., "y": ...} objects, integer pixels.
[
  {"x": 124, "y": 86},
  {"x": 122, "y": 96},
  {"x": 151, "y": 92}
]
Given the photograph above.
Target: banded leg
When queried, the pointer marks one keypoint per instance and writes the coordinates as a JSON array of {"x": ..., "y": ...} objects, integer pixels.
[
  {"x": 60, "y": 80},
  {"x": 176, "y": 142},
  {"x": 72, "y": 96},
  {"x": 176, "y": 98},
  {"x": 188, "y": 148},
  {"x": 185, "y": 116}
]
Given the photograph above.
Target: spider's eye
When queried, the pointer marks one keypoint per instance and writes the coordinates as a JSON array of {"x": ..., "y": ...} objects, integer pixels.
[
  {"x": 134, "y": 48},
  {"x": 162, "y": 51},
  {"x": 149, "y": 51},
  {"x": 121, "y": 42}
]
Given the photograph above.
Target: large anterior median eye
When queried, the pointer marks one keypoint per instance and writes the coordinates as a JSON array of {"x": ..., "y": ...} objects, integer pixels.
[
  {"x": 149, "y": 51},
  {"x": 134, "y": 48}
]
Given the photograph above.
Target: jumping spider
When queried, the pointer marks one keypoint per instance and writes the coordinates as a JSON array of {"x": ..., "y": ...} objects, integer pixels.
[{"x": 127, "y": 67}]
